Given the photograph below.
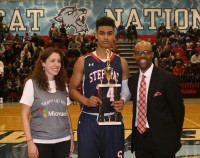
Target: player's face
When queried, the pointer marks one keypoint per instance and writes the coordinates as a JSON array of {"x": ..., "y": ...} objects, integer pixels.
[
  {"x": 52, "y": 65},
  {"x": 105, "y": 36}
]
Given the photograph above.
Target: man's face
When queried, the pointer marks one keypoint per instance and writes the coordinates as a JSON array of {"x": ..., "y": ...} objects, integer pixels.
[
  {"x": 105, "y": 36},
  {"x": 143, "y": 55}
]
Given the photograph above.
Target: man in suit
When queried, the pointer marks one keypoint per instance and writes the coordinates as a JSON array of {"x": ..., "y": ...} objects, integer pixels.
[{"x": 162, "y": 113}]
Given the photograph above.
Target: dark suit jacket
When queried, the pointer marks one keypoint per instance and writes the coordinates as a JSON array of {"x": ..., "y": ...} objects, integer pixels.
[{"x": 165, "y": 112}]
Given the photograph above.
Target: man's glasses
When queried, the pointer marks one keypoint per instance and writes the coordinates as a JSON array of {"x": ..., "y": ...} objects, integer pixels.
[{"x": 144, "y": 52}]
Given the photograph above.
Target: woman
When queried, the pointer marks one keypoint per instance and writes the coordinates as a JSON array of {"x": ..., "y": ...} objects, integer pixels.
[{"x": 49, "y": 133}]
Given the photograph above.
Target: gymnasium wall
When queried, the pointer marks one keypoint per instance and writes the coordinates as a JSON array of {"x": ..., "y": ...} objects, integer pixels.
[{"x": 80, "y": 15}]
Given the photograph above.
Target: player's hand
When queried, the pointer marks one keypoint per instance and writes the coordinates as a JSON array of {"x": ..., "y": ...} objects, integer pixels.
[
  {"x": 118, "y": 105},
  {"x": 93, "y": 101}
]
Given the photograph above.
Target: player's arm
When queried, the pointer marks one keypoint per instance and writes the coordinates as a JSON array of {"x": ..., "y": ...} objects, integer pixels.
[
  {"x": 125, "y": 93},
  {"x": 125, "y": 69},
  {"x": 75, "y": 82}
]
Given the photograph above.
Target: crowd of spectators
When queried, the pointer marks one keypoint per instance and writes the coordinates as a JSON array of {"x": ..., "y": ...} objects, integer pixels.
[
  {"x": 17, "y": 59},
  {"x": 179, "y": 52}
]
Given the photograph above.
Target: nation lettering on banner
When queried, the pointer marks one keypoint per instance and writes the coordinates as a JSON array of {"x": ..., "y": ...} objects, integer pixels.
[{"x": 80, "y": 16}]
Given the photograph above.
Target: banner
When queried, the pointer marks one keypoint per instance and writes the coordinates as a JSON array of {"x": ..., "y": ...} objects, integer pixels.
[{"x": 80, "y": 15}]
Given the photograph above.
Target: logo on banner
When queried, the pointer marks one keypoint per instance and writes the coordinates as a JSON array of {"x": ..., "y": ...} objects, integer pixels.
[{"x": 71, "y": 16}]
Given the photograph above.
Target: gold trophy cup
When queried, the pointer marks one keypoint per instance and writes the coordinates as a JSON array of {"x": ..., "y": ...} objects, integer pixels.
[{"x": 108, "y": 73}]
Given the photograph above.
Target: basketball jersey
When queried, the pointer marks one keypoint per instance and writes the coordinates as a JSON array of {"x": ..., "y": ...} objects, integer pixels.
[{"x": 93, "y": 72}]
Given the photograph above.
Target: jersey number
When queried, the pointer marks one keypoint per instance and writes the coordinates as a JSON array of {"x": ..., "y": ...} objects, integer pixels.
[{"x": 110, "y": 94}]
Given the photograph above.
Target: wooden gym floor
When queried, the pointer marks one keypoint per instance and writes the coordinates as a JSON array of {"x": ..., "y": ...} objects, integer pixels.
[{"x": 12, "y": 136}]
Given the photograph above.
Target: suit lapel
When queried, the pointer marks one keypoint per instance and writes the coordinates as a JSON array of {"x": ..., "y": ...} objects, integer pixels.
[
  {"x": 152, "y": 87},
  {"x": 135, "y": 89}
]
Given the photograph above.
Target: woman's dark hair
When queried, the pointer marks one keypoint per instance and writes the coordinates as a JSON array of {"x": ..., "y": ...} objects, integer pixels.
[{"x": 39, "y": 75}]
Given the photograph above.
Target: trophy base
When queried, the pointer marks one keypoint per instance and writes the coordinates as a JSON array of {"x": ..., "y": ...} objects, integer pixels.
[{"x": 110, "y": 123}]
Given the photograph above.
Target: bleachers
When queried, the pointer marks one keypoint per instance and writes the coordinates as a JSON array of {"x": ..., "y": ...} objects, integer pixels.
[{"x": 187, "y": 89}]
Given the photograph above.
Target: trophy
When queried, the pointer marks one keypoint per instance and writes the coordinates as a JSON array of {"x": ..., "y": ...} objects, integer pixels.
[{"x": 101, "y": 88}]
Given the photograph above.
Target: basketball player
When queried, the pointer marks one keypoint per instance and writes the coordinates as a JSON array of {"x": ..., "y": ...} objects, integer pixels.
[{"x": 96, "y": 141}]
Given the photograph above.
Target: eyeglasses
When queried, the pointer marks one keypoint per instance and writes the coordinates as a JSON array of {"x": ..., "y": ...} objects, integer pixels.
[{"x": 144, "y": 52}]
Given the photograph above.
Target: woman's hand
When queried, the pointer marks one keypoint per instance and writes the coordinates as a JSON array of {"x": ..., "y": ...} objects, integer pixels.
[
  {"x": 72, "y": 145},
  {"x": 32, "y": 150}
]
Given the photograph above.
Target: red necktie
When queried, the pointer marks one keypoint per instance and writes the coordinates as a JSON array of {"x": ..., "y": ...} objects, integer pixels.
[{"x": 141, "y": 122}]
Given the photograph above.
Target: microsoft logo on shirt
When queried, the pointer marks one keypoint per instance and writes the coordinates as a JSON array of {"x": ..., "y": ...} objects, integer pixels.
[{"x": 43, "y": 113}]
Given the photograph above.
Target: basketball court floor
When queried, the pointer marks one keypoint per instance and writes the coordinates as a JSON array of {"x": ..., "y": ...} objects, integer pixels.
[{"x": 12, "y": 139}]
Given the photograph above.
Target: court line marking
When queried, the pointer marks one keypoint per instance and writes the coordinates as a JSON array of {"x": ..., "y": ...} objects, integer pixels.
[
  {"x": 192, "y": 121},
  {"x": 191, "y": 114}
]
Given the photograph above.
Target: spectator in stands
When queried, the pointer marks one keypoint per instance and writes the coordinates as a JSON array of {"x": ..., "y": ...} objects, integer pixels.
[
  {"x": 121, "y": 31},
  {"x": 197, "y": 34},
  {"x": 190, "y": 51},
  {"x": 34, "y": 39},
  {"x": 1, "y": 29},
  {"x": 17, "y": 39},
  {"x": 1, "y": 68},
  {"x": 56, "y": 36},
  {"x": 31, "y": 47},
  {"x": 50, "y": 44},
  {"x": 162, "y": 27},
  {"x": 68, "y": 39},
  {"x": 190, "y": 33},
  {"x": 167, "y": 64},
  {"x": 9, "y": 56},
  {"x": 79, "y": 38},
  {"x": 93, "y": 45},
  {"x": 8, "y": 70},
  {"x": 93, "y": 37},
  {"x": 25, "y": 55},
  {"x": 189, "y": 73},
  {"x": 131, "y": 32},
  {"x": 177, "y": 58},
  {"x": 17, "y": 64},
  {"x": 74, "y": 44},
  {"x": 182, "y": 39},
  {"x": 26, "y": 38},
  {"x": 86, "y": 43},
  {"x": 167, "y": 51},
  {"x": 2, "y": 50},
  {"x": 195, "y": 59},
  {"x": 85, "y": 39},
  {"x": 6, "y": 32},
  {"x": 162, "y": 31},
  {"x": 63, "y": 30},
  {"x": 16, "y": 48},
  {"x": 51, "y": 29},
  {"x": 40, "y": 42},
  {"x": 158, "y": 51},
  {"x": 174, "y": 40},
  {"x": 179, "y": 70},
  {"x": 174, "y": 29},
  {"x": 25, "y": 70},
  {"x": 12, "y": 87}
]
